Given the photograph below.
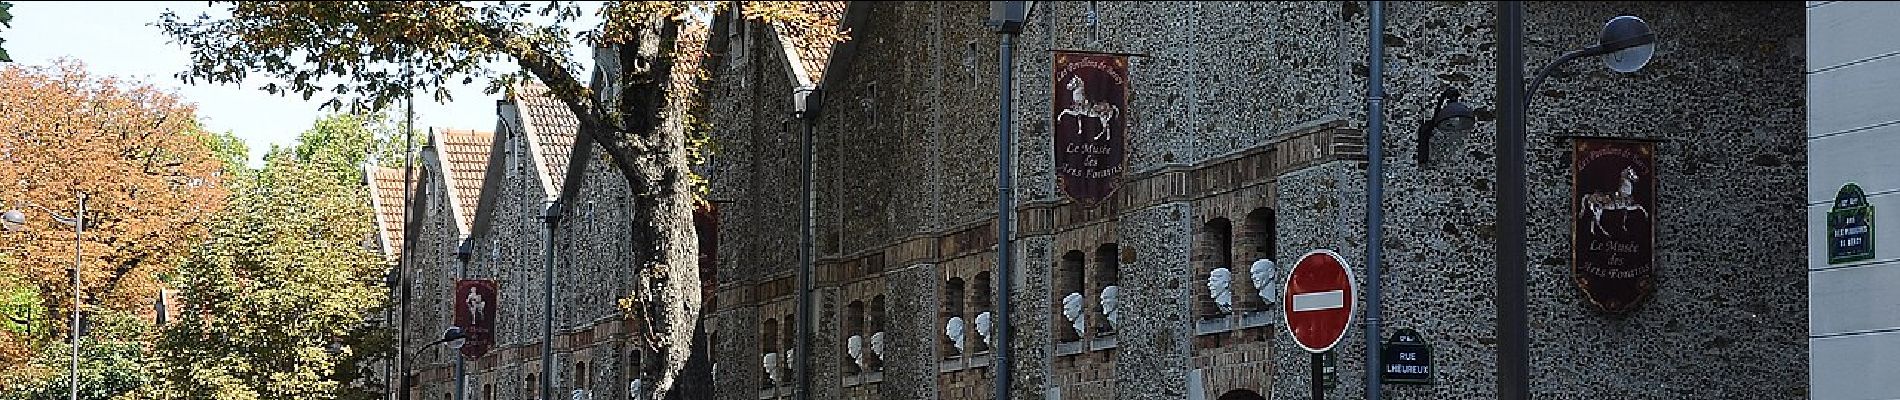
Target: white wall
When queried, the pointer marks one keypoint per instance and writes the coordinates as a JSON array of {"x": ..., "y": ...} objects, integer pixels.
[{"x": 1853, "y": 53}]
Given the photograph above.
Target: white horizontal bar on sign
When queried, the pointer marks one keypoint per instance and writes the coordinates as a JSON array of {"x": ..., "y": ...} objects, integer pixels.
[{"x": 1319, "y": 300}]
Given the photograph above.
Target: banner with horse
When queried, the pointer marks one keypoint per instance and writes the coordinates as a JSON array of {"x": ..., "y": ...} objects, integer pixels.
[
  {"x": 1613, "y": 221},
  {"x": 1091, "y": 124}
]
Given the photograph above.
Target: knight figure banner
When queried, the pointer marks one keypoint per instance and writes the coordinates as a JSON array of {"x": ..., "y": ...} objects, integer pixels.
[
  {"x": 1091, "y": 124},
  {"x": 475, "y": 305},
  {"x": 1613, "y": 221}
]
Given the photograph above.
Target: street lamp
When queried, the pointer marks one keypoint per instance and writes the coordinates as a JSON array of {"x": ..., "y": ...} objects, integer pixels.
[
  {"x": 1453, "y": 120},
  {"x": 1629, "y": 44},
  {"x": 15, "y": 220},
  {"x": 453, "y": 336}
]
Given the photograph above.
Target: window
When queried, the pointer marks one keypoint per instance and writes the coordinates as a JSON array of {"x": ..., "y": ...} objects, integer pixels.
[
  {"x": 874, "y": 344},
  {"x": 1256, "y": 242},
  {"x": 953, "y": 321},
  {"x": 1214, "y": 254},
  {"x": 768, "y": 343},
  {"x": 1105, "y": 279},
  {"x": 1070, "y": 303},
  {"x": 580, "y": 375},
  {"x": 532, "y": 387},
  {"x": 980, "y": 320},
  {"x": 789, "y": 341},
  {"x": 855, "y": 338},
  {"x": 488, "y": 392}
]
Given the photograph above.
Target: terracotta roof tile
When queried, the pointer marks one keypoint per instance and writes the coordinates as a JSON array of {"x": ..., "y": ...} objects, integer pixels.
[
  {"x": 386, "y": 191},
  {"x": 551, "y": 126},
  {"x": 814, "y": 50},
  {"x": 464, "y": 155}
]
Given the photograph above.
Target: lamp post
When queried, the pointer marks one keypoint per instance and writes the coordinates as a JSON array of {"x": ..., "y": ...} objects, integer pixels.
[
  {"x": 461, "y": 257},
  {"x": 15, "y": 220},
  {"x": 1629, "y": 44}
]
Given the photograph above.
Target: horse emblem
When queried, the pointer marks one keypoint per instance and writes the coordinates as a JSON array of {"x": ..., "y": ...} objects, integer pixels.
[
  {"x": 1623, "y": 199},
  {"x": 1082, "y": 106}
]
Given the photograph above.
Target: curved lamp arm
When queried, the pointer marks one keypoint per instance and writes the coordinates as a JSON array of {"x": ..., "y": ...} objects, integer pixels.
[{"x": 1530, "y": 93}]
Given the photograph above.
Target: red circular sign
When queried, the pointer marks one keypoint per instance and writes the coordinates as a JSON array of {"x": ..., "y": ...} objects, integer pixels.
[{"x": 1318, "y": 300}]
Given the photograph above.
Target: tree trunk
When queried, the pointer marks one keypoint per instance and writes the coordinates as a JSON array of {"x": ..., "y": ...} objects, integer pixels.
[{"x": 666, "y": 291}]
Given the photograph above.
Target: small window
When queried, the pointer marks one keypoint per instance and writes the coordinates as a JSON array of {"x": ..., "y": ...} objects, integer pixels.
[
  {"x": 789, "y": 342},
  {"x": 1105, "y": 279},
  {"x": 1256, "y": 242},
  {"x": 856, "y": 341},
  {"x": 768, "y": 346},
  {"x": 1070, "y": 303},
  {"x": 980, "y": 323},
  {"x": 488, "y": 392},
  {"x": 580, "y": 375},
  {"x": 532, "y": 386},
  {"x": 1214, "y": 253},
  {"x": 953, "y": 321},
  {"x": 874, "y": 341}
]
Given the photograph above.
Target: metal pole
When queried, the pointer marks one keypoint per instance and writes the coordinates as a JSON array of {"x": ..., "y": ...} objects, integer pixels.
[
  {"x": 1513, "y": 330},
  {"x": 79, "y": 233},
  {"x": 805, "y": 268},
  {"x": 1005, "y": 205},
  {"x": 1375, "y": 191},
  {"x": 551, "y": 216},
  {"x": 402, "y": 260},
  {"x": 461, "y": 272}
]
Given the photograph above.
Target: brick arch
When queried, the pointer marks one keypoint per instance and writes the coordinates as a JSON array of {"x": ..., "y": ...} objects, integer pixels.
[{"x": 1241, "y": 394}]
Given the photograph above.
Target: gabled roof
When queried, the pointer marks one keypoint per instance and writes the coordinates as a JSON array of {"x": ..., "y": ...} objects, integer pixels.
[
  {"x": 550, "y": 128},
  {"x": 807, "y": 51},
  {"x": 689, "y": 55},
  {"x": 385, "y": 197},
  {"x": 464, "y": 157}
]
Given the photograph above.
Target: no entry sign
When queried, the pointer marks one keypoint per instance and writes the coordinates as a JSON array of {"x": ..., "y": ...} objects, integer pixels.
[{"x": 1318, "y": 300}]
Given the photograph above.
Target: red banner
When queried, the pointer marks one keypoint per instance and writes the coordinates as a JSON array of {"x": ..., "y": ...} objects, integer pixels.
[
  {"x": 475, "y": 305},
  {"x": 1613, "y": 221},
  {"x": 1091, "y": 124}
]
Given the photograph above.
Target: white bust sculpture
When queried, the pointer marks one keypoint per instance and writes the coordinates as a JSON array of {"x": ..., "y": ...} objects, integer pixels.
[
  {"x": 633, "y": 389},
  {"x": 1264, "y": 273},
  {"x": 983, "y": 325},
  {"x": 1220, "y": 287},
  {"x": 771, "y": 366},
  {"x": 1072, "y": 308},
  {"x": 855, "y": 347},
  {"x": 580, "y": 394},
  {"x": 1111, "y": 304},
  {"x": 877, "y": 344},
  {"x": 954, "y": 329}
]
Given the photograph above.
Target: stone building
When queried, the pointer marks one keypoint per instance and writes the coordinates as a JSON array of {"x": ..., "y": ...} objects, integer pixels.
[
  {"x": 492, "y": 193},
  {"x": 1247, "y": 143}
]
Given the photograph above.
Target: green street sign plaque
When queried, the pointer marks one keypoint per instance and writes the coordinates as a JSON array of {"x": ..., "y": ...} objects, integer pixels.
[{"x": 1850, "y": 226}]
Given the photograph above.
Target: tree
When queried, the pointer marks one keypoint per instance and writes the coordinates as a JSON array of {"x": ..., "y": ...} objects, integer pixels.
[
  {"x": 112, "y": 364},
  {"x": 276, "y": 301},
  {"x": 365, "y": 44},
  {"x": 6, "y": 20},
  {"x": 149, "y": 178}
]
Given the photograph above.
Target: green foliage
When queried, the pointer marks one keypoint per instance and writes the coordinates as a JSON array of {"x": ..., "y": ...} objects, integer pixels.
[
  {"x": 111, "y": 364},
  {"x": 229, "y": 149},
  {"x": 6, "y": 20},
  {"x": 276, "y": 302}
]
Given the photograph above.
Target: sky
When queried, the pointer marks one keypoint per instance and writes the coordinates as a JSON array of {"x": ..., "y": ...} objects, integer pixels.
[{"x": 117, "y": 39}]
